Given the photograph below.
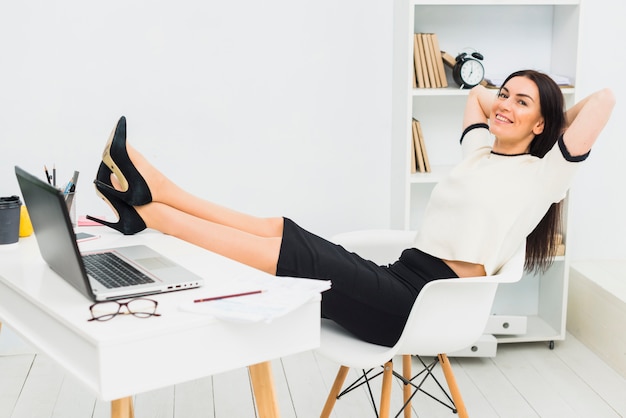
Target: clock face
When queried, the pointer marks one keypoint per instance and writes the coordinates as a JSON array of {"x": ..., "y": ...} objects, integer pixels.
[{"x": 472, "y": 72}]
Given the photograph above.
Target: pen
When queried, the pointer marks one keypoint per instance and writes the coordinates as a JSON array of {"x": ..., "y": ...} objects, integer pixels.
[
  {"x": 54, "y": 175},
  {"x": 74, "y": 181},
  {"x": 71, "y": 185},
  {"x": 68, "y": 187},
  {"x": 253, "y": 292},
  {"x": 45, "y": 169}
]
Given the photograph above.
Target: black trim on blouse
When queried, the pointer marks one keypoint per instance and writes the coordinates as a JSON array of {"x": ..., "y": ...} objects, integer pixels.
[
  {"x": 473, "y": 126},
  {"x": 568, "y": 156},
  {"x": 509, "y": 155}
]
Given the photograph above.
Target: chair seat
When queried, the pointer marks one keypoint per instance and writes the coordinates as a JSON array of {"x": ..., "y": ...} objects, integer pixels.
[{"x": 340, "y": 346}]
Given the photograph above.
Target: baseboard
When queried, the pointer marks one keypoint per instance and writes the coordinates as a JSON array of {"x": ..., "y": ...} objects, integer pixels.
[{"x": 597, "y": 309}]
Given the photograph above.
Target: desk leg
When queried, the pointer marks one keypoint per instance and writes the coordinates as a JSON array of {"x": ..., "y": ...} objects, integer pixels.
[
  {"x": 263, "y": 388},
  {"x": 122, "y": 408}
]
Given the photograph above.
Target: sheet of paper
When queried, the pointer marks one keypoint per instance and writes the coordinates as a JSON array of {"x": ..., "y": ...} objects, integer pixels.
[{"x": 279, "y": 297}]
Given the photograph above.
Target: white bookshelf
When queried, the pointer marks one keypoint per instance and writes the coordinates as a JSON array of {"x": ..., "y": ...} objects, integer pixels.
[{"x": 512, "y": 35}]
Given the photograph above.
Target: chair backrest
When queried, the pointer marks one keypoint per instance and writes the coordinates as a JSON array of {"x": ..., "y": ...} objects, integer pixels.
[{"x": 448, "y": 314}]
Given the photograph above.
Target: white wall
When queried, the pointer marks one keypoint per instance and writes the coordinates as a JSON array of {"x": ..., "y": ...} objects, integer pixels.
[
  {"x": 599, "y": 194},
  {"x": 274, "y": 107}
]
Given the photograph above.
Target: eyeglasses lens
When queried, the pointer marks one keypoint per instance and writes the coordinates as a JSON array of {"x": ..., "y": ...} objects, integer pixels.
[
  {"x": 104, "y": 311},
  {"x": 142, "y": 308}
]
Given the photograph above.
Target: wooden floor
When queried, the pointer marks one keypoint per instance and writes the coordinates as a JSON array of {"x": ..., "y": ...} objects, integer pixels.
[{"x": 525, "y": 380}]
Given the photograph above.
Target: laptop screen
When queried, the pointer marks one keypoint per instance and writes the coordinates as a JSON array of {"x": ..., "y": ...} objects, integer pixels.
[{"x": 53, "y": 230}]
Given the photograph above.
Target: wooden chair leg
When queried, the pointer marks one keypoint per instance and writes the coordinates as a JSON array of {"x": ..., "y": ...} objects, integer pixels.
[
  {"x": 406, "y": 389},
  {"x": 334, "y": 391},
  {"x": 385, "y": 396},
  {"x": 454, "y": 389},
  {"x": 122, "y": 408}
]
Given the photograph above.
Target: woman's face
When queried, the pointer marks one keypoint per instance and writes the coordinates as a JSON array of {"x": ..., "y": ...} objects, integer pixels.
[{"x": 516, "y": 116}]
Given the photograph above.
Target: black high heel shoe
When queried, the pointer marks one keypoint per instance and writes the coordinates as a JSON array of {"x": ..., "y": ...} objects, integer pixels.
[
  {"x": 135, "y": 190},
  {"x": 129, "y": 222}
]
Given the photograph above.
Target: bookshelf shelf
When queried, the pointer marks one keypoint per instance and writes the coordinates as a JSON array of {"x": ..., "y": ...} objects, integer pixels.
[
  {"x": 544, "y": 36},
  {"x": 448, "y": 91},
  {"x": 437, "y": 174}
]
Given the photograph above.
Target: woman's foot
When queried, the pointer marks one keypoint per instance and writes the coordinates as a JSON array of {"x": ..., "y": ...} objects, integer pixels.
[{"x": 133, "y": 187}]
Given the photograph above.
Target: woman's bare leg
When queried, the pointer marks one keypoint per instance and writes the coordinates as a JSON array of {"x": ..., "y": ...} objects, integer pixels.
[
  {"x": 260, "y": 252},
  {"x": 165, "y": 191}
]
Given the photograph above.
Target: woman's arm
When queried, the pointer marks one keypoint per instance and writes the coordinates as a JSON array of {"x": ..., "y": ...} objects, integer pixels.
[
  {"x": 586, "y": 119},
  {"x": 478, "y": 105}
]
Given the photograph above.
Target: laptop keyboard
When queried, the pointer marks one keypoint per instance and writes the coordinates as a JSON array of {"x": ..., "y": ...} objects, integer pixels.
[{"x": 112, "y": 271}]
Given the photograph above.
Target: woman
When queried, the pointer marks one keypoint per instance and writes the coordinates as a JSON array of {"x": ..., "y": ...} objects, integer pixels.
[{"x": 476, "y": 219}]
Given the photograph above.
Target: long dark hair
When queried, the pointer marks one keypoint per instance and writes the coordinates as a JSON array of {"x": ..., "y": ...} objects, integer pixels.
[{"x": 542, "y": 242}]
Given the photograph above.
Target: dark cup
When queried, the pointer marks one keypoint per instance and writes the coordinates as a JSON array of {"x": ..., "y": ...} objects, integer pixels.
[{"x": 9, "y": 219}]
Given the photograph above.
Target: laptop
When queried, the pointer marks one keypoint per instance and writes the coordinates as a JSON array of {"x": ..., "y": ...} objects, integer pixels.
[{"x": 57, "y": 244}]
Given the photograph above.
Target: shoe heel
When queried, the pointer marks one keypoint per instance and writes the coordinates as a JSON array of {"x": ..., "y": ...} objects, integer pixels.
[{"x": 129, "y": 222}]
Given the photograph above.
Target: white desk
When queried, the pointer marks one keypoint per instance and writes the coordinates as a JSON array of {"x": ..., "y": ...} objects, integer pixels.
[{"x": 129, "y": 355}]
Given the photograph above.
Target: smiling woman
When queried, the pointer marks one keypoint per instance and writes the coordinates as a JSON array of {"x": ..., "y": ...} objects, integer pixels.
[
  {"x": 527, "y": 119},
  {"x": 476, "y": 220}
]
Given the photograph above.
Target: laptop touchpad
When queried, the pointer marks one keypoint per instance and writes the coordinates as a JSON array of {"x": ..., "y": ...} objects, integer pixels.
[{"x": 154, "y": 263}]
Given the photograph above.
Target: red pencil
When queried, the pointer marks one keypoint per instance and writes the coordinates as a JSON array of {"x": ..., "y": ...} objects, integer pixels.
[{"x": 253, "y": 292}]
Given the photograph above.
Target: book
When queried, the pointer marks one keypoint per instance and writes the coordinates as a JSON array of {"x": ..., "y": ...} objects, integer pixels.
[
  {"x": 434, "y": 56},
  {"x": 422, "y": 163},
  {"x": 422, "y": 143},
  {"x": 422, "y": 60},
  {"x": 496, "y": 82},
  {"x": 439, "y": 60},
  {"x": 560, "y": 250},
  {"x": 422, "y": 148},
  {"x": 429, "y": 60},
  {"x": 417, "y": 62},
  {"x": 448, "y": 59},
  {"x": 418, "y": 148}
]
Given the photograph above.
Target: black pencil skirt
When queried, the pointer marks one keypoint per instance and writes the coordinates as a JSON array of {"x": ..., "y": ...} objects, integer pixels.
[{"x": 370, "y": 301}]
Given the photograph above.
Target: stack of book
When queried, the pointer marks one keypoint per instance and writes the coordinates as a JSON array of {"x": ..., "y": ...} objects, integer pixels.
[
  {"x": 428, "y": 62},
  {"x": 560, "y": 80},
  {"x": 419, "y": 157},
  {"x": 560, "y": 246}
]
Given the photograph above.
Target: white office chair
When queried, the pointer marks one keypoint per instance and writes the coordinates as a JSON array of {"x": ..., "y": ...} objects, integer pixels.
[{"x": 448, "y": 315}]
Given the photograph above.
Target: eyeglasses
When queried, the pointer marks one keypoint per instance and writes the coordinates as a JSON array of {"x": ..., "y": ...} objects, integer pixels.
[{"x": 139, "y": 307}]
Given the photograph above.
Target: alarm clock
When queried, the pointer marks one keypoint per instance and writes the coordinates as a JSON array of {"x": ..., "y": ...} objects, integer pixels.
[{"x": 468, "y": 71}]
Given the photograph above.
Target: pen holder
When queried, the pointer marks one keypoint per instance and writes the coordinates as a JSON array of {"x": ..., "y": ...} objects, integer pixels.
[
  {"x": 70, "y": 201},
  {"x": 9, "y": 219}
]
